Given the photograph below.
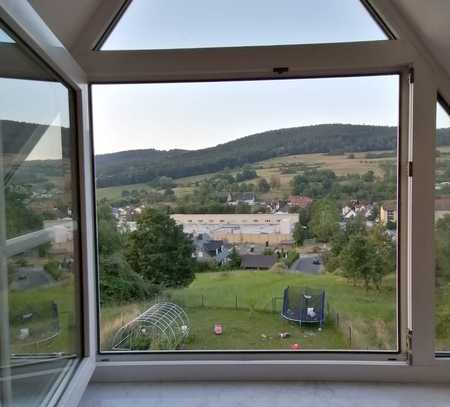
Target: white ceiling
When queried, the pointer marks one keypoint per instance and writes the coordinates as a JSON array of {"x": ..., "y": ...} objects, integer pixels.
[
  {"x": 430, "y": 19},
  {"x": 66, "y": 18}
]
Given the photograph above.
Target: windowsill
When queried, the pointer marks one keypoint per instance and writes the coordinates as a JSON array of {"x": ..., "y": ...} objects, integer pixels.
[{"x": 264, "y": 394}]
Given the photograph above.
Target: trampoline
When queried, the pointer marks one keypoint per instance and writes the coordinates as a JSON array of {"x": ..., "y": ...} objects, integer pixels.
[
  {"x": 304, "y": 305},
  {"x": 163, "y": 326}
]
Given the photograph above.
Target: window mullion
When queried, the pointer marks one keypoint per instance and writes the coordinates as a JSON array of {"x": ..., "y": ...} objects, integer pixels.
[{"x": 421, "y": 222}]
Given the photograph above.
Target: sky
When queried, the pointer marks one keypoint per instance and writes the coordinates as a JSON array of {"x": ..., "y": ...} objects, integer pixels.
[
  {"x": 199, "y": 115},
  {"x": 37, "y": 102},
  {"x": 160, "y": 24}
]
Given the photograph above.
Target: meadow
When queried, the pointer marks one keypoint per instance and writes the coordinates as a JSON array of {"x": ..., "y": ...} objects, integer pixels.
[{"x": 247, "y": 304}]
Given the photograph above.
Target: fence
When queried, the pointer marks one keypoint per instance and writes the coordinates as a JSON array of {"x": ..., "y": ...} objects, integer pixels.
[{"x": 33, "y": 326}]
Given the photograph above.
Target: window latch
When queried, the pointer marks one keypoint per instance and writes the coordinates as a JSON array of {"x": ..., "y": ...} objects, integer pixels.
[
  {"x": 410, "y": 169},
  {"x": 409, "y": 338}
]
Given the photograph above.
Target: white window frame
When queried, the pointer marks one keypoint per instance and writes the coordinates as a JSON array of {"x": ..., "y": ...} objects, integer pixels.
[
  {"x": 417, "y": 213},
  {"x": 21, "y": 18}
]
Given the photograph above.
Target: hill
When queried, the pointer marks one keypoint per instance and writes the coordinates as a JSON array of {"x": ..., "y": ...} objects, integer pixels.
[{"x": 140, "y": 166}]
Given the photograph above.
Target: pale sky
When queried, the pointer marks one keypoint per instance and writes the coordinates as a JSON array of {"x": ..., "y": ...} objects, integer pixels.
[
  {"x": 39, "y": 102},
  {"x": 198, "y": 115},
  {"x": 158, "y": 24},
  {"x": 442, "y": 117}
]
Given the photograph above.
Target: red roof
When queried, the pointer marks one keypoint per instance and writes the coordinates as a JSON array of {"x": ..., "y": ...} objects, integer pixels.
[{"x": 301, "y": 201}]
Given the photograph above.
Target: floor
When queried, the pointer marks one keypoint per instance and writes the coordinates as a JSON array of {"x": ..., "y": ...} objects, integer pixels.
[{"x": 265, "y": 394}]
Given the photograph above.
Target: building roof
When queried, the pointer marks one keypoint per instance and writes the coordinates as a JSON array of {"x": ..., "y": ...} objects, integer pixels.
[
  {"x": 244, "y": 196},
  {"x": 258, "y": 261},
  {"x": 213, "y": 245},
  {"x": 301, "y": 201},
  {"x": 389, "y": 205}
]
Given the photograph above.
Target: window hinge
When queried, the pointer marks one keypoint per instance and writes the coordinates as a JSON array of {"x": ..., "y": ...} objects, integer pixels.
[
  {"x": 410, "y": 168},
  {"x": 409, "y": 338},
  {"x": 411, "y": 75}
]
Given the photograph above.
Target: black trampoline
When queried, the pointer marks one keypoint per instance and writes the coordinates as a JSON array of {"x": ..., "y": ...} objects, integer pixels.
[{"x": 304, "y": 305}]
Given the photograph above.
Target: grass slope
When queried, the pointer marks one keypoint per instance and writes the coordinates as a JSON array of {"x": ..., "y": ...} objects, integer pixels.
[{"x": 212, "y": 298}]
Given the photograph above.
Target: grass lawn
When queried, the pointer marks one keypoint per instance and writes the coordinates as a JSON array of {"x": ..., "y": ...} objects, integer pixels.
[
  {"x": 63, "y": 294},
  {"x": 252, "y": 324}
]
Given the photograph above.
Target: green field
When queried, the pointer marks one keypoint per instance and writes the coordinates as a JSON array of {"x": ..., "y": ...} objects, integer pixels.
[
  {"x": 34, "y": 300},
  {"x": 340, "y": 164},
  {"x": 242, "y": 302}
]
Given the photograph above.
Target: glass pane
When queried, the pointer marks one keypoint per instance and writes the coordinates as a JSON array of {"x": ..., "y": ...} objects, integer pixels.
[
  {"x": 442, "y": 225},
  {"x": 5, "y": 37},
  {"x": 250, "y": 215},
  {"x": 162, "y": 24},
  {"x": 39, "y": 312}
]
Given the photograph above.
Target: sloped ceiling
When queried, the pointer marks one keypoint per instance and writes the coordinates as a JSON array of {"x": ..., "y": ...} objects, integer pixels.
[
  {"x": 430, "y": 19},
  {"x": 66, "y": 18}
]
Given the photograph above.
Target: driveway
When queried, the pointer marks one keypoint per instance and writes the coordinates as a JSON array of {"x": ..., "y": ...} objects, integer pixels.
[{"x": 305, "y": 265}]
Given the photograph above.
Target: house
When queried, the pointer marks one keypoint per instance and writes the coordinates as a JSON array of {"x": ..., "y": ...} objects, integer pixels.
[
  {"x": 388, "y": 212},
  {"x": 355, "y": 208},
  {"x": 300, "y": 201},
  {"x": 258, "y": 261},
  {"x": 210, "y": 250},
  {"x": 248, "y": 198}
]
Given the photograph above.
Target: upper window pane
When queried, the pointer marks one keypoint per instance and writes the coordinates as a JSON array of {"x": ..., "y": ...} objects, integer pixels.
[
  {"x": 442, "y": 230},
  {"x": 177, "y": 24}
]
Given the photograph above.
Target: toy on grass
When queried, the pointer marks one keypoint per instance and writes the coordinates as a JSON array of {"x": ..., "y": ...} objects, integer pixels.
[{"x": 218, "y": 328}]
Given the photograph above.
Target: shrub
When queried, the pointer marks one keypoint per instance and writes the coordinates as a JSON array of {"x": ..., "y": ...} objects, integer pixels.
[{"x": 291, "y": 257}]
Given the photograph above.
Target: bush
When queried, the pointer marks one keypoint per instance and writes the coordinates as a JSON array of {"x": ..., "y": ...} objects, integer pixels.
[
  {"x": 54, "y": 269},
  {"x": 291, "y": 257}
]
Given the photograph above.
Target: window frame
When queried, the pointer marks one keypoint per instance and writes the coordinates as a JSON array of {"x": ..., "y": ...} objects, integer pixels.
[
  {"x": 446, "y": 107},
  {"x": 406, "y": 51},
  {"x": 398, "y": 354},
  {"x": 36, "y": 38}
]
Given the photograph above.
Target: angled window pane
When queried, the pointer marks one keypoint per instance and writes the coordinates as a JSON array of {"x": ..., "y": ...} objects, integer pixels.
[
  {"x": 5, "y": 37},
  {"x": 177, "y": 24},
  {"x": 227, "y": 223},
  {"x": 442, "y": 230},
  {"x": 39, "y": 278}
]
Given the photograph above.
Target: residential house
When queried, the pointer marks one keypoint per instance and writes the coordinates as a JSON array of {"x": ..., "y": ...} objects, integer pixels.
[
  {"x": 388, "y": 212},
  {"x": 248, "y": 198},
  {"x": 258, "y": 261}
]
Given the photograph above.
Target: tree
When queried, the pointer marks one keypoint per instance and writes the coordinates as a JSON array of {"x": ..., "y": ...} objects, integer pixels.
[
  {"x": 362, "y": 255},
  {"x": 263, "y": 186},
  {"x": 324, "y": 222},
  {"x": 159, "y": 250},
  {"x": 234, "y": 259},
  {"x": 356, "y": 260},
  {"x": 442, "y": 241},
  {"x": 118, "y": 282},
  {"x": 20, "y": 218},
  {"x": 300, "y": 233}
]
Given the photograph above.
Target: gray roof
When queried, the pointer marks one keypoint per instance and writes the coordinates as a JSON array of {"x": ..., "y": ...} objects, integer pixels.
[
  {"x": 213, "y": 245},
  {"x": 258, "y": 261}
]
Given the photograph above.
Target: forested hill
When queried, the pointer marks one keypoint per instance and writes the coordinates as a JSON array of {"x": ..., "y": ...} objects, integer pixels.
[{"x": 131, "y": 167}]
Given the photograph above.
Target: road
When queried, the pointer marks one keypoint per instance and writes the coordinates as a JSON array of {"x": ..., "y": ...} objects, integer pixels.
[{"x": 305, "y": 265}]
